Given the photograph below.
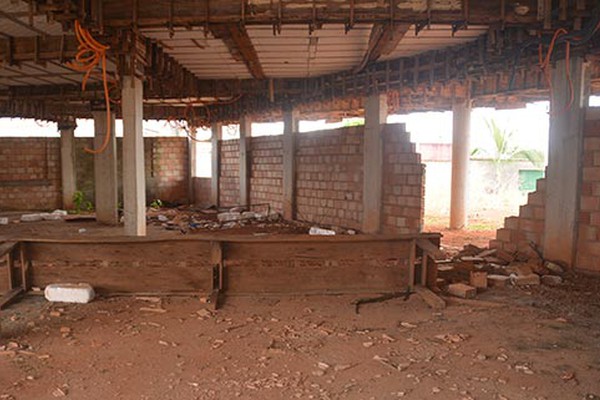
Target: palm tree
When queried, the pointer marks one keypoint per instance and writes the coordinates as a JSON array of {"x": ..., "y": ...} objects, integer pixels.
[{"x": 505, "y": 150}]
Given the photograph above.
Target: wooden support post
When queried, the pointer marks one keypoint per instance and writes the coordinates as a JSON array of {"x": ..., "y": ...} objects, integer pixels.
[
  {"x": 290, "y": 129},
  {"x": 105, "y": 170},
  {"x": 216, "y": 163},
  {"x": 25, "y": 281},
  {"x": 245, "y": 137},
  {"x": 216, "y": 256},
  {"x": 460, "y": 163},
  {"x": 411, "y": 265},
  {"x": 134, "y": 181},
  {"x": 375, "y": 117},
  {"x": 67, "y": 162},
  {"x": 565, "y": 158}
]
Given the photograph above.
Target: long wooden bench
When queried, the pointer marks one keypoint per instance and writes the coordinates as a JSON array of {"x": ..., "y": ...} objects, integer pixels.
[{"x": 287, "y": 264}]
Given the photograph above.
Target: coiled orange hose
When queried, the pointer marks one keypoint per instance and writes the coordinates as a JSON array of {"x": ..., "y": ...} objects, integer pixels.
[{"x": 90, "y": 54}]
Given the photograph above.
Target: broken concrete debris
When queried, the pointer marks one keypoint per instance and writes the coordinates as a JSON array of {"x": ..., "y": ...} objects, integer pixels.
[
  {"x": 316, "y": 231},
  {"x": 55, "y": 215},
  {"x": 475, "y": 269}
]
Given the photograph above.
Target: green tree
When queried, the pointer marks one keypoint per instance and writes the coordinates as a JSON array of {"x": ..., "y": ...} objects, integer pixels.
[{"x": 504, "y": 149}]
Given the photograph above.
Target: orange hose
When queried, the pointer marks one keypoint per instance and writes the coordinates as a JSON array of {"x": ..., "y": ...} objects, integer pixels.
[
  {"x": 545, "y": 64},
  {"x": 90, "y": 54}
]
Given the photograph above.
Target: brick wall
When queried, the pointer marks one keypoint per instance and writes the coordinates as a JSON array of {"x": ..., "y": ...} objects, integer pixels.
[
  {"x": 266, "y": 172},
  {"x": 229, "y": 181},
  {"x": 403, "y": 182},
  {"x": 329, "y": 180},
  {"x": 202, "y": 191},
  {"x": 167, "y": 169},
  {"x": 588, "y": 245},
  {"x": 519, "y": 231},
  {"x": 30, "y": 174}
]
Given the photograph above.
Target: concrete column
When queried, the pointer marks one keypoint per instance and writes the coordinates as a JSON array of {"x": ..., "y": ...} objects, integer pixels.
[
  {"x": 134, "y": 180},
  {"x": 215, "y": 163},
  {"x": 461, "y": 132},
  {"x": 67, "y": 162},
  {"x": 565, "y": 160},
  {"x": 375, "y": 116},
  {"x": 245, "y": 134},
  {"x": 192, "y": 160},
  {"x": 105, "y": 170},
  {"x": 290, "y": 128}
]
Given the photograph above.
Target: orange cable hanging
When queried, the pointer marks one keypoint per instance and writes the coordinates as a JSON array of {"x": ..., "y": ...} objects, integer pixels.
[
  {"x": 90, "y": 54},
  {"x": 545, "y": 64}
]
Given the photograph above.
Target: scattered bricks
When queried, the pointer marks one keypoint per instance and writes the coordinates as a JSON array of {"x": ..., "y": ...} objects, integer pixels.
[
  {"x": 501, "y": 281},
  {"x": 525, "y": 280},
  {"x": 554, "y": 268},
  {"x": 504, "y": 235},
  {"x": 461, "y": 290},
  {"x": 478, "y": 279},
  {"x": 520, "y": 269},
  {"x": 552, "y": 280}
]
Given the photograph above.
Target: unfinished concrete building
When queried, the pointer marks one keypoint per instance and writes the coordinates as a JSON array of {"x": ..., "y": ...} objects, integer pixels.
[{"x": 154, "y": 237}]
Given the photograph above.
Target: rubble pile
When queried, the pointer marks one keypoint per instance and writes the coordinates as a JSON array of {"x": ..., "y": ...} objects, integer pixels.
[
  {"x": 236, "y": 219},
  {"x": 475, "y": 269}
]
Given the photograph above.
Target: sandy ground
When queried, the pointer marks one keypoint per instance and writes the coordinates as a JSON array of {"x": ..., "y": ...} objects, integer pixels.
[{"x": 509, "y": 344}]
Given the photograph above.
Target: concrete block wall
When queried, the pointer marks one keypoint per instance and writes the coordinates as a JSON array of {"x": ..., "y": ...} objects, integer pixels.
[
  {"x": 168, "y": 172},
  {"x": 30, "y": 174},
  {"x": 329, "y": 177},
  {"x": 588, "y": 244},
  {"x": 266, "y": 171},
  {"x": 403, "y": 182},
  {"x": 528, "y": 227},
  {"x": 229, "y": 182}
]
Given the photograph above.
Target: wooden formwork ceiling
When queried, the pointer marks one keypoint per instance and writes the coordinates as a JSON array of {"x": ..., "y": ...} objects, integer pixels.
[{"x": 224, "y": 58}]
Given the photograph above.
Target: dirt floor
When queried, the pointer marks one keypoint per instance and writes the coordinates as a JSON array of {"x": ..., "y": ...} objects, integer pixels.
[{"x": 508, "y": 344}]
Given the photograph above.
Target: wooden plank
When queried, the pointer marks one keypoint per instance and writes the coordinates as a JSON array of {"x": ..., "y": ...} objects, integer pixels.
[
  {"x": 285, "y": 276},
  {"x": 167, "y": 251},
  {"x": 127, "y": 278},
  {"x": 424, "y": 260},
  {"x": 428, "y": 247},
  {"x": 25, "y": 264},
  {"x": 9, "y": 297},
  {"x": 433, "y": 300},
  {"x": 6, "y": 247},
  {"x": 317, "y": 251}
]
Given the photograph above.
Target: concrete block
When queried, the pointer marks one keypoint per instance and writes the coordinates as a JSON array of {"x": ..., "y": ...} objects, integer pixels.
[
  {"x": 4, "y": 221},
  {"x": 462, "y": 290},
  {"x": 494, "y": 280},
  {"x": 478, "y": 279},
  {"x": 525, "y": 280}
]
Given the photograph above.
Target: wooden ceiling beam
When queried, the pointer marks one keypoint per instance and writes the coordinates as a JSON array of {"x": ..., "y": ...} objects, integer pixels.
[
  {"x": 240, "y": 46},
  {"x": 383, "y": 40},
  {"x": 37, "y": 48}
]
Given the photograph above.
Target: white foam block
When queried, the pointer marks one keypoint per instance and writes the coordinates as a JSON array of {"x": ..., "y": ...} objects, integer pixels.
[{"x": 69, "y": 293}]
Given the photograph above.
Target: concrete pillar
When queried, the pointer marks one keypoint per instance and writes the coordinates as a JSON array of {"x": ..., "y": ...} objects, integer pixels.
[
  {"x": 67, "y": 162},
  {"x": 134, "y": 180},
  {"x": 461, "y": 132},
  {"x": 192, "y": 160},
  {"x": 105, "y": 170},
  {"x": 245, "y": 134},
  {"x": 215, "y": 163},
  {"x": 565, "y": 159},
  {"x": 375, "y": 116},
  {"x": 290, "y": 128}
]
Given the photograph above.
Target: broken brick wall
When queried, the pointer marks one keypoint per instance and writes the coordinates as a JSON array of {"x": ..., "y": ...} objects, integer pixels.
[
  {"x": 229, "y": 181},
  {"x": 266, "y": 171},
  {"x": 30, "y": 176},
  {"x": 403, "y": 182},
  {"x": 30, "y": 172},
  {"x": 588, "y": 243},
  {"x": 519, "y": 232},
  {"x": 329, "y": 177}
]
